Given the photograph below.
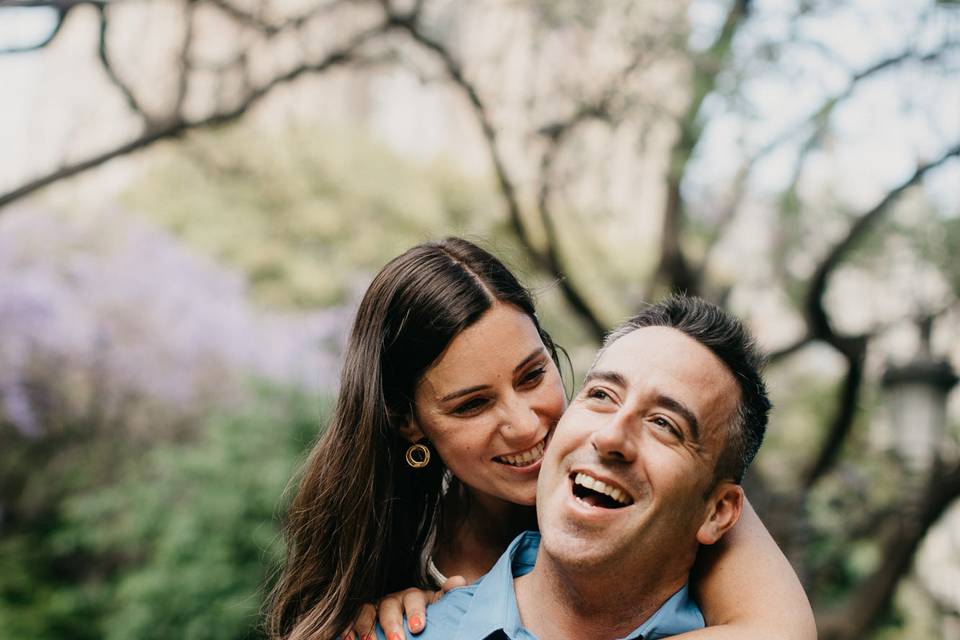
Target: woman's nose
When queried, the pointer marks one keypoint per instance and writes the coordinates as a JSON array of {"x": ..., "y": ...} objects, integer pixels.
[{"x": 520, "y": 422}]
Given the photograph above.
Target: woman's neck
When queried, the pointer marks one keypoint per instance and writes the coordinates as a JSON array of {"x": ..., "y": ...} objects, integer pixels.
[{"x": 475, "y": 531}]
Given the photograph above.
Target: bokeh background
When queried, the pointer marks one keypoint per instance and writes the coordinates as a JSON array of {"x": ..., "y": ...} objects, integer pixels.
[{"x": 194, "y": 193}]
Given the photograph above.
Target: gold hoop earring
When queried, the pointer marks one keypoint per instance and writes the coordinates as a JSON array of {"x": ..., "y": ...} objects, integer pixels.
[{"x": 418, "y": 456}]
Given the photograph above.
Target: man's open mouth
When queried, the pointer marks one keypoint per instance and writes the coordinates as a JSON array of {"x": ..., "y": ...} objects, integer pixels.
[
  {"x": 524, "y": 458},
  {"x": 597, "y": 493}
]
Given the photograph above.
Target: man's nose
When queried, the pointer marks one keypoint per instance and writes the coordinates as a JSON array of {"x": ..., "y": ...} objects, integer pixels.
[{"x": 616, "y": 438}]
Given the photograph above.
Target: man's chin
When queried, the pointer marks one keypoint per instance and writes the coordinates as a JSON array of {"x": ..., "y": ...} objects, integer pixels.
[
  {"x": 579, "y": 554},
  {"x": 575, "y": 546}
]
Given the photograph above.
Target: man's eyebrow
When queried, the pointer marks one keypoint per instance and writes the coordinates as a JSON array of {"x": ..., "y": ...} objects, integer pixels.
[
  {"x": 672, "y": 404},
  {"x": 468, "y": 390},
  {"x": 606, "y": 376}
]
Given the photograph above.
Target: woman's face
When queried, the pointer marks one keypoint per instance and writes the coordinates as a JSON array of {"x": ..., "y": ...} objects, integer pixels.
[{"x": 490, "y": 403}]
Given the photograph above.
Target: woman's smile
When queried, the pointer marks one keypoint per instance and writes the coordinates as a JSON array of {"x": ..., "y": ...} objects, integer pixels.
[{"x": 524, "y": 458}]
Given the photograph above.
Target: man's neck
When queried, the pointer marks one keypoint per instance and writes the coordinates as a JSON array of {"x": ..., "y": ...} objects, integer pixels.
[{"x": 556, "y": 602}]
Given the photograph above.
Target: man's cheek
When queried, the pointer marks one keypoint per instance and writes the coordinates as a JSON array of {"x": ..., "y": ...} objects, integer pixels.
[{"x": 576, "y": 423}]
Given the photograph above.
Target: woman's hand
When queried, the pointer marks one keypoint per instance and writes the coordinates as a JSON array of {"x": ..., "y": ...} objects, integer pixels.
[{"x": 411, "y": 603}]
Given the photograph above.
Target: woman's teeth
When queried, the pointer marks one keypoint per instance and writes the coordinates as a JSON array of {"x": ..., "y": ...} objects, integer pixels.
[
  {"x": 600, "y": 486},
  {"x": 525, "y": 458}
]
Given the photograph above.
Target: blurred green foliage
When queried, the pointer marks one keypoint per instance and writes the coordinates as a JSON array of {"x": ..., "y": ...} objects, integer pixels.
[
  {"x": 179, "y": 543},
  {"x": 309, "y": 224},
  {"x": 304, "y": 220}
]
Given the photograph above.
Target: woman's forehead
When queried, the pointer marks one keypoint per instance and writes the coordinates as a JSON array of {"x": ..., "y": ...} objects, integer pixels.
[{"x": 492, "y": 347}]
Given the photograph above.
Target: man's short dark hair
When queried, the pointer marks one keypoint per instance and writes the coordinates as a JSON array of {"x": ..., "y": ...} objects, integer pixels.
[{"x": 730, "y": 341}]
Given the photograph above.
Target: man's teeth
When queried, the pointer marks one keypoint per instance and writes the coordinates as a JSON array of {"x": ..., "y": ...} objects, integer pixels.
[
  {"x": 600, "y": 486},
  {"x": 527, "y": 457}
]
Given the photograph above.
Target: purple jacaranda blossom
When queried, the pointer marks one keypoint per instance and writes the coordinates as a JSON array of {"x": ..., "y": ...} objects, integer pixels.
[{"x": 112, "y": 317}]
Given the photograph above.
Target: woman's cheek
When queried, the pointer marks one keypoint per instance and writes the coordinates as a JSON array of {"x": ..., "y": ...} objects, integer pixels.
[{"x": 558, "y": 401}]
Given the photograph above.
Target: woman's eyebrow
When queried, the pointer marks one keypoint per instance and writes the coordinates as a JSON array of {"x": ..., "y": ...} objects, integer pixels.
[
  {"x": 467, "y": 391},
  {"x": 464, "y": 392},
  {"x": 533, "y": 355}
]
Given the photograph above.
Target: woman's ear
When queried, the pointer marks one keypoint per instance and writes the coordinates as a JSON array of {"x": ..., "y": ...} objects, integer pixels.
[
  {"x": 410, "y": 430},
  {"x": 723, "y": 510}
]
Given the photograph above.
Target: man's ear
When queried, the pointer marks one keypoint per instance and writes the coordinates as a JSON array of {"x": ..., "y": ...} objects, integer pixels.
[
  {"x": 410, "y": 430},
  {"x": 724, "y": 507}
]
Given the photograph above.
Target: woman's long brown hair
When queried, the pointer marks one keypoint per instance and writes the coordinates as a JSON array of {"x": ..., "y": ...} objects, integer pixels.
[{"x": 361, "y": 517}]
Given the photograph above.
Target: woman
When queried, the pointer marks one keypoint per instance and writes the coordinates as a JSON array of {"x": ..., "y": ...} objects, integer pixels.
[{"x": 448, "y": 368}]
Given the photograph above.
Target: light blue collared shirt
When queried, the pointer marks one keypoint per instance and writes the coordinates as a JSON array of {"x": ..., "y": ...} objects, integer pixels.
[{"x": 487, "y": 609}]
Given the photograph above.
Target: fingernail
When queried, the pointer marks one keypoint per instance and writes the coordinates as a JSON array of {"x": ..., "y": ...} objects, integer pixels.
[
  {"x": 394, "y": 636},
  {"x": 415, "y": 624}
]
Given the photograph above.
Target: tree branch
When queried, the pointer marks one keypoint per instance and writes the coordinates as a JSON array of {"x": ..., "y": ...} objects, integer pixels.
[
  {"x": 549, "y": 261},
  {"x": 853, "y": 348},
  {"x": 180, "y": 126},
  {"x": 789, "y": 350},
  {"x": 270, "y": 29},
  {"x": 556, "y": 134},
  {"x": 816, "y": 314},
  {"x": 854, "y": 351},
  {"x": 115, "y": 80},
  {"x": 674, "y": 269},
  {"x": 65, "y": 5},
  {"x": 183, "y": 61},
  {"x": 816, "y": 124},
  {"x": 455, "y": 73},
  {"x": 61, "y": 17},
  {"x": 861, "y": 611},
  {"x": 818, "y": 120}
]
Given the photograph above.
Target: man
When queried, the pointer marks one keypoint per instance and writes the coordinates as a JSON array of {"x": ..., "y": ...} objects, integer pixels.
[{"x": 644, "y": 467}]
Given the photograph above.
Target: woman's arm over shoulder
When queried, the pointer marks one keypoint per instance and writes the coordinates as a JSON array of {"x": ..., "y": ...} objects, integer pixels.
[{"x": 747, "y": 589}]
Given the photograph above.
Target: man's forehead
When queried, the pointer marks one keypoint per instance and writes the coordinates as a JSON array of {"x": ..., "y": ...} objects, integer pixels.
[
  {"x": 663, "y": 345},
  {"x": 672, "y": 361}
]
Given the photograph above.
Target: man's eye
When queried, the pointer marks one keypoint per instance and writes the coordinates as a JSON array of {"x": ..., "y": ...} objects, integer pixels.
[
  {"x": 470, "y": 406},
  {"x": 598, "y": 394},
  {"x": 667, "y": 426}
]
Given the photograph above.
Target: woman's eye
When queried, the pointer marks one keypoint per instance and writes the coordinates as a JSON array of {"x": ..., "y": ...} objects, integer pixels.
[
  {"x": 534, "y": 375},
  {"x": 470, "y": 406}
]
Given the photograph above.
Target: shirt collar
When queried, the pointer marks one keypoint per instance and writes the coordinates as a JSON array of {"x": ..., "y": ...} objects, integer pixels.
[
  {"x": 675, "y": 616},
  {"x": 494, "y": 604}
]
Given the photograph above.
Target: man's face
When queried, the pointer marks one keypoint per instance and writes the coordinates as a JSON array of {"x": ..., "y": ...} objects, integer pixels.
[{"x": 648, "y": 426}]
